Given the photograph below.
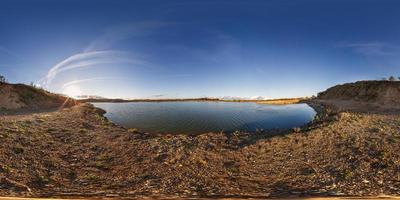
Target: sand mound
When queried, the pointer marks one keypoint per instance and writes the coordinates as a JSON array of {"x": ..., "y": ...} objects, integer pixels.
[
  {"x": 20, "y": 96},
  {"x": 379, "y": 92}
]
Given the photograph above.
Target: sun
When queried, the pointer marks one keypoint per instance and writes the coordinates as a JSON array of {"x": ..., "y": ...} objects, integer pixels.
[{"x": 72, "y": 91}]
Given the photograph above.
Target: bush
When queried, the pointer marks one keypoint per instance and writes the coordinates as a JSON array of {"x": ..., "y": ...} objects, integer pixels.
[{"x": 3, "y": 79}]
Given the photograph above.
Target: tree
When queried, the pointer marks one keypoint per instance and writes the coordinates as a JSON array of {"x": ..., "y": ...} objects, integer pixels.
[
  {"x": 3, "y": 79},
  {"x": 392, "y": 78}
]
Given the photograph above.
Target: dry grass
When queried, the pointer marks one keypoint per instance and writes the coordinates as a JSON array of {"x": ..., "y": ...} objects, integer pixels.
[
  {"x": 282, "y": 101},
  {"x": 20, "y": 97},
  {"x": 77, "y": 152}
]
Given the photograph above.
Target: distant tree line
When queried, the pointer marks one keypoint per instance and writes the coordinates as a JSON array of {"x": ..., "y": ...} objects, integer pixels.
[{"x": 3, "y": 79}]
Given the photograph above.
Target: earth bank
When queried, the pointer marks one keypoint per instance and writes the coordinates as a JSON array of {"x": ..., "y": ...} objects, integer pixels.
[{"x": 77, "y": 152}]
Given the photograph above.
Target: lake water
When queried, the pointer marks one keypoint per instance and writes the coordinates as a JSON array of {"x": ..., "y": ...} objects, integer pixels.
[{"x": 201, "y": 117}]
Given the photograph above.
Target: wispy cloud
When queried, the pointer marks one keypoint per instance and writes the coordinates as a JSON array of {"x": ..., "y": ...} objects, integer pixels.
[
  {"x": 221, "y": 48},
  {"x": 88, "y": 59},
  {"x": 102, "y": 51},
  {"x": 372, "y": 48},
  {"x": 225, "y": 46},
  {"x": 75, "y": 82},
  {"x": 118, "y": 33},
  {"x": 99, "y": 52}
]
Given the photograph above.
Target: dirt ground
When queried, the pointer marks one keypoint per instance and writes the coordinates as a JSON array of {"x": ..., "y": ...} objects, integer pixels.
[
  {"x": 150, "y": 198},
  {"x": 76, "y": 152}
]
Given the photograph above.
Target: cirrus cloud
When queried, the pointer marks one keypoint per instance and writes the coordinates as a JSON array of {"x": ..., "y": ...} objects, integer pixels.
[
  {"x": 372, "y": 48},
  {"x": 88, "y": 59},
  {"x": 118, "y": 33}
]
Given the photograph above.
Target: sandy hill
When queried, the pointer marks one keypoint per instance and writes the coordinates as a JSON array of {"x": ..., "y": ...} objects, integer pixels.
[
  {"x": 379, "y": 92},
  {"x": 20, "y": 96}
]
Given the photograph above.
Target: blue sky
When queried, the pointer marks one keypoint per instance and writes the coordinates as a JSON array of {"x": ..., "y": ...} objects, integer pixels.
[{"x": 178, "y": 49}]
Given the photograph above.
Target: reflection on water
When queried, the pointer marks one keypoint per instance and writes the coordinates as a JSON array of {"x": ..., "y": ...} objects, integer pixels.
[{"x": 201, "y": 117}]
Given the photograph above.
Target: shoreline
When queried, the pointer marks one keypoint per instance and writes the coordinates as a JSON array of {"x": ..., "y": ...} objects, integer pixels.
[
  {"x": 349, "y": 149},
  {"x": 95, "y": 147},
  {"x": 280, "y": 101}
]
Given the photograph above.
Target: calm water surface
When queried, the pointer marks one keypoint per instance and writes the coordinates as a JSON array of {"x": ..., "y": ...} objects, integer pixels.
[{"x": 201, "y": 117}]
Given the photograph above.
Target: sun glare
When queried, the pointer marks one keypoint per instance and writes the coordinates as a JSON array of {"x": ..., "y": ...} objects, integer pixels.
[{"x": 72, "y": 91}]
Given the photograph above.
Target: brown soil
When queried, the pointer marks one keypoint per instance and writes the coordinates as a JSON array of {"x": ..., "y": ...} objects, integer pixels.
[
  {"x": 77, "y": 151},
  {"x": 18, "y": 97},
  {"x": 383, "y": 93}
]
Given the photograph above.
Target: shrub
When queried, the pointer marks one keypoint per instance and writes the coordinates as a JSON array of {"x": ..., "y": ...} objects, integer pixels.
[{"x": 3, "y": 79}]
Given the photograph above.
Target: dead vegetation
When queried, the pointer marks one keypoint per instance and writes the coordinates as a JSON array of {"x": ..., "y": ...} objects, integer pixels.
[
  {"x": 20, "y": 97},
  {"x": 282, "y": 101},
  {"x": 78, "y": 152},
  {"x": 385, "y": 93}
]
